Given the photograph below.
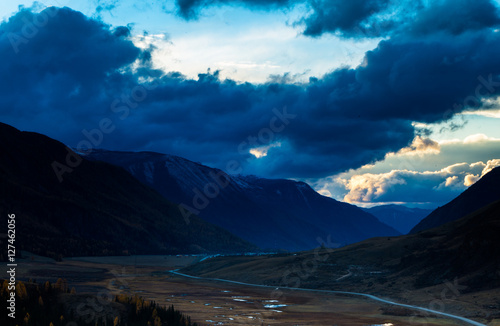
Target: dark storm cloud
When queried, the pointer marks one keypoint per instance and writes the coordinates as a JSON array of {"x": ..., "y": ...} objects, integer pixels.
[
  {"x": 373, "y": 18},
  {"x": 58, "y": 59},
  {"x": 349, "y": 18},
  {"x": 74, "y": 72},
  {"x": 419, "y": 80},
  {"x": 455, "y": 17},
  {"x": 315, "y": 141},
  {"x": 379, "y": 18},
  {"x": 189, "y": 9}
]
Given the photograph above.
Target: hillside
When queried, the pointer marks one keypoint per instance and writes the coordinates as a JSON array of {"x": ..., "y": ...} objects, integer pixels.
[
  {"x": 52, "y": 304},
  {"x": 462, "y": 257},
  {"x": 275, "y": 214},
  {"x": 485, "y": 191},
  {"x": 96, "y": 209},
  {"x": 399, "y": 217}
]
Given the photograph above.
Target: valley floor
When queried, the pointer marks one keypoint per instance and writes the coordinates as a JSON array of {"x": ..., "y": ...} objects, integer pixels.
[{"x": 210, "y": 302}]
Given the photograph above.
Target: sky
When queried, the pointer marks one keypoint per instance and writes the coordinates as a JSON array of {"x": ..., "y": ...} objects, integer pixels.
[{"x": 369, "y": 101}]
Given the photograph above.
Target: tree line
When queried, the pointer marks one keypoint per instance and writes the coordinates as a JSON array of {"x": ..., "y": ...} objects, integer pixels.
[{"x": 55, "y": 304}]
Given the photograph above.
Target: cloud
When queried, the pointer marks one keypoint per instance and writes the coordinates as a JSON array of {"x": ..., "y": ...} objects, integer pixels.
[
  {"x": 59, "y": 59},
  {"x": 492, "y": 113},
  {"x": 372, "y": 18},
  {"x": 73, "y": 72},
  {"x": 106, "y": 5},
  {"x": 420, "y": 146},
  {"x": 490, "y": 165},
  {"x": 412, "y": 74},
  {"x": 189, "y": 9},
  {"x": 369, "y": 187},
  {"x": 450, "y": 181},
  {"x": 259, "y": 152},
  {"x": 491, "y": 110},
  {"x": 415, "y": 187},
  {"x": 380, "y": 18},
  {"x": 472, "y": 148},
  {"x": 347, "y": 18},
  {"x": 470, "y": 179},
  {"x": 455, "y": 17},
  {"x": 477, "y": 138},
  {"x": 427, "y": 178},
  {"x": 471, "y": 139}
]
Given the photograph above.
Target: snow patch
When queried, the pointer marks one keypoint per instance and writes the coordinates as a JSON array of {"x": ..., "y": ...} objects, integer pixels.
[{"x": 149, "y": 169}]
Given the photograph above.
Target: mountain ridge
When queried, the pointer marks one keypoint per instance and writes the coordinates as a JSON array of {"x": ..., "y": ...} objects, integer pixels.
[
  {"x": 462, "y": 257},
  {"x": 400, "y": 217},
  {"x": 94, "y": 208},
  {"x": 484, "y": 192},
  {"x": 272, "y": 213}
]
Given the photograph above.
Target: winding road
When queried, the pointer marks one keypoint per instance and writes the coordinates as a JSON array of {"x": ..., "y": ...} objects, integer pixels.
[
  {"x": 349, "y": 274},
  {"x": 372, "y": 297}
]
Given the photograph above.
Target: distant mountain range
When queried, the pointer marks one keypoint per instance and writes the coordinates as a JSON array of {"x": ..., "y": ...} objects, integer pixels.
[
  {"x": 484, "y": 192},
  {"x": 399, "y": 217},
  {"x": 465, "y": 251},
  {"x": 273, "y": 214},
  {"x": 69, "y": 206}
]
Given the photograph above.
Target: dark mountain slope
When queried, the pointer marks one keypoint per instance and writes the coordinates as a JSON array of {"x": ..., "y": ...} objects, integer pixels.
[
  {"x": 400, "y": 217},
  {"x": 97, "y": 209},
  {"x": 467, "y": 251},
  {"x": 278, "y": 214},
  {"x": 483, "y": 192},
  {"x": 467, "y": 247}
]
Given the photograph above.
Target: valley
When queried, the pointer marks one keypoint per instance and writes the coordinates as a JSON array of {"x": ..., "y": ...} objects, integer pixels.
[
  {"x": 215, "y": 302},
  {"x": 250, "y": 162},
  {"x": 263, "y": 252}
]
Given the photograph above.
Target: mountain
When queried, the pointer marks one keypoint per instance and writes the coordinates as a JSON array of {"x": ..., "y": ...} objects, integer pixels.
[
  {"x": 274, "y": 214},
  {"x": 399, "y": 217},
  {"x": 468, "y": 248},
  {"x": 91, "y": 208},
  {"x": 480, "y": 194},
  {"x": 457, "y": 264}
]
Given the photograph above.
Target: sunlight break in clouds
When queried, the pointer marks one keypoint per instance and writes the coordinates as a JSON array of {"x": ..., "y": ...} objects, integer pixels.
[
  {"x": 419, "y": 146},
  {"x": 423, "y": 174},
  {"x": 470, "y": 179},
  {"x": 485, "y": 113},
  {"x": 472, "y": 139},
  {"x": 261, "y": 151},
  {"x": 368, "y": 187},
  {"x": 383, "y": 187}
]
